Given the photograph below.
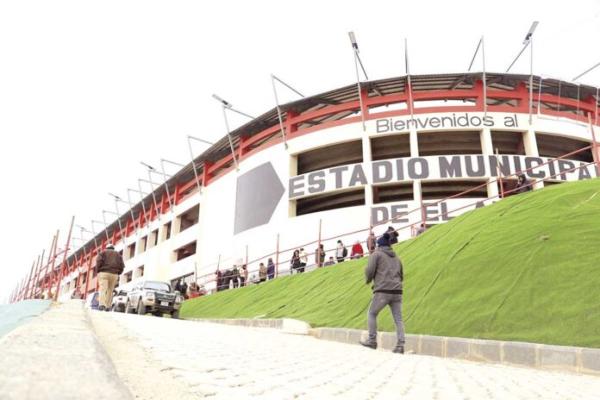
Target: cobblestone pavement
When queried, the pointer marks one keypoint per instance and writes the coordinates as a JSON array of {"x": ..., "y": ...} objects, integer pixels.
[{"x": 230, "y": 362}]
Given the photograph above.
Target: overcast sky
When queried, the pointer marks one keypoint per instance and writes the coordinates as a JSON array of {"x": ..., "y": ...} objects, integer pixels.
[{"x": 88, "y": 89}]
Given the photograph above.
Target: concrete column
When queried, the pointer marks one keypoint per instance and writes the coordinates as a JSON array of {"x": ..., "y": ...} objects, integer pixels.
[
  {"x": 414, "y": 152},
  {"x": 367, "y": 158},
  {"x": 293, "y": 172},
  {"x": 531, "y": 149},
  {"x": 487, "y": 148}
]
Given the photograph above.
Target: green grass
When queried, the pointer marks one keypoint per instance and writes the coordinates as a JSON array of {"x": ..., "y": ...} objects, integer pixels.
[{"x": 526, "y": 268}]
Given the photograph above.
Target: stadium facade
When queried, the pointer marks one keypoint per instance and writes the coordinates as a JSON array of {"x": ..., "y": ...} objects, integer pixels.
[{"x": 400, "y": 151}]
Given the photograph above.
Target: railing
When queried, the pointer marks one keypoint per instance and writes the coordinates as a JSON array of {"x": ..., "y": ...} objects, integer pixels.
[{"x": 209, "y": 280}]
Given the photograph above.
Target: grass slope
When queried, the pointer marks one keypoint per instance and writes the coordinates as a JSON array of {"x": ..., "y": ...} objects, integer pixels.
[{"x": 526, "y": 268}]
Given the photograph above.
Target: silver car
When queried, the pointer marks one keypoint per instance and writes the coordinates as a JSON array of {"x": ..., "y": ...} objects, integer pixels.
[
  {"x": 153, "y": 297},
  {"x": 119, "y": 301}
]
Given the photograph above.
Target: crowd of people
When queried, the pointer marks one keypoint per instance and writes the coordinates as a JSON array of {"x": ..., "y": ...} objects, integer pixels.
[{"x": 237, "y": 276}]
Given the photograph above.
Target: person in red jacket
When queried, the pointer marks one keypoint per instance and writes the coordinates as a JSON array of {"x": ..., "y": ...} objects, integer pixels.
[{"x": 357, "y": 250}]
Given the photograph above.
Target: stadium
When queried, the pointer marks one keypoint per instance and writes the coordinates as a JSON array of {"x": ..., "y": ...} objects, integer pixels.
[{"x": 405, "y": 151}]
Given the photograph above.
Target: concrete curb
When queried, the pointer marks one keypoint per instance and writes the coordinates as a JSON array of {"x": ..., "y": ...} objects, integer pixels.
[
  {"x": 57, "y": 356},
  {"x": 532, "y": 355}
]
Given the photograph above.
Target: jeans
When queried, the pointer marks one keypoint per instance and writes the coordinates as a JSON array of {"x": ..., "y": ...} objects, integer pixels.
[{"x": 380, "y": 300}]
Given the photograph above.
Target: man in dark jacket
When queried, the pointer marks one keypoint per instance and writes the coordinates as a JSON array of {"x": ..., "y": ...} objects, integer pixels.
[
  {"x": 385, "y": 271},
  {"x": 109, "y": 265}
]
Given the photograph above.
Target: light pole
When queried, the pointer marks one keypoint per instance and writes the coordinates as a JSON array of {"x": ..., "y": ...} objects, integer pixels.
[
  {"x": 273, "y": 79},
  {"x": 189, "y": 141},
  {"x": 225, "y": 105},
  {"x": 357, "y": 62},
  {"x": 528, "y": 41},
  {"x": 129, "y": 190},
  {"x": 151, "y": 170},
  {"x": 105, "y": 228}
]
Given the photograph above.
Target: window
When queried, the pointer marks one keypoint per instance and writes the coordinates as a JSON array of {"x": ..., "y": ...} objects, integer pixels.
[
  {"x": 142, "y": 245},
  {"x": 189, "y": 218},
  {"x": 442, "y": 143},
  {"x": 395, "y": 192},
  {"x": 153, "y": 239},
  {"x": 130, "y": 251},
  {"x": 508, "y": 142},
  {"x": 139, "y": 272},
  {"x": 185, "y": 251},
  {"x": 554, "y": 146},
  {"x": 394, "y": 146},
  {"x": 330, "y": 156},
  {"x": 128, "y": 276},
  {"x": 166, "y": 232},
  {"x": 441, "y": 189},
  {"x": 332, "y": 201}
]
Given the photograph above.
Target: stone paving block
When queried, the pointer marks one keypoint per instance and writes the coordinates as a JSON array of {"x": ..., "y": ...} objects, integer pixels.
[{"x": 519, "y": 353}]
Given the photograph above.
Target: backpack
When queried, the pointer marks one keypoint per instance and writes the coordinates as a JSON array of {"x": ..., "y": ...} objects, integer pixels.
[{"x": 345, "y": 252}]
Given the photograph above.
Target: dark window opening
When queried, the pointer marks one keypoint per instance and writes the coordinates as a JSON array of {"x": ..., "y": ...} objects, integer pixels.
[
  {"x": 508, "y": 142},
  {"x": 441, "y": 189},
  {"x": 395, "y": 146},
  {"x": 555, "y": 146},
  {"x": 128, "y": 276},
  {"x": 396, "y": 192},
  {"x": 185, "y": 251},
  {"x": 189, "y": 218},
  {"x": 330, "y": 156},
  {"x": 130, "y": 251},
  {"x": 166, "y": 231},
  {"x": 442, "y": 143},
  {"x": 143, "y": 244},
  {"x": 139, "y": 271},
  {"x": 332, "y": 201},
  {"x": 154, "y": 238}
]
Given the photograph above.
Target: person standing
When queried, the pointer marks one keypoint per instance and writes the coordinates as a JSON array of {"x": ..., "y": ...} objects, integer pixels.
[
  {"x": 243, "y": 275},
  {"x": 357, "y": 250},
  {"x": 184, "y": 288},
  {"x": 523, "y": 185},
  {"x": 393, "y": 235},
  {"x": 385, "y": 271},
  {"x": 303, "y": 260},
  {"x": 340, "y": 252},
  {"x": 235, "y": 276},
  {"x": 371, "y": 242},
  {"x": 295, "y": 262},
  {"x": 262, "y": 272},
  {"x": 270, "y": 269},
  {"x": 109, "y": 265}
]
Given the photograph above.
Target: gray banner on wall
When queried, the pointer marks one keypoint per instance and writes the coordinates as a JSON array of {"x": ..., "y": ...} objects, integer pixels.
[{"x": 257, "y": 194}]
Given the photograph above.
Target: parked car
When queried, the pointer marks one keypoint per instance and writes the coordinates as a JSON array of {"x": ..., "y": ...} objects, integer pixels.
[
  {"x": 153, "y": 297},
  {"x": 92, "y": 300},
  {"x": 119, "y": 301}
]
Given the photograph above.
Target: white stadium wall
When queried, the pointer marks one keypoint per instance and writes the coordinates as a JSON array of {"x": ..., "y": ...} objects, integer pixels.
[
  {"x": 427, "y": 153},
  {"x": 217, "y": 243}
]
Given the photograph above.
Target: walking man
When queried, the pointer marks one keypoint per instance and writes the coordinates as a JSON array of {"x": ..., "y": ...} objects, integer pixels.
[
  {"x": 385, "y": 271},
  {"x": 109, "y": 265}
]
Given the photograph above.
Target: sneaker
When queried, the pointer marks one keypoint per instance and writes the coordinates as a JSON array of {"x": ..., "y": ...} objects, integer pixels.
[
  {"x": 399, "y": 350},
  {"x": 101, "y": 308},
  {"x": 371, "y": 345}
]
